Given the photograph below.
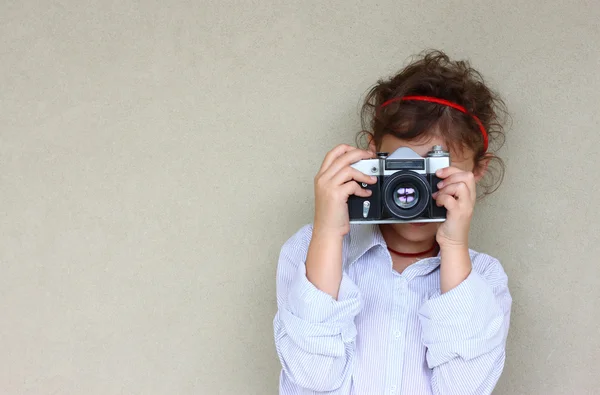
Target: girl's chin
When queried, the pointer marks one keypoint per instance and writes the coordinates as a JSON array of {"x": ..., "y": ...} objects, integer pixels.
[
  {"x": 416, "y": 225},
  {"x": 418, "y": 230}
]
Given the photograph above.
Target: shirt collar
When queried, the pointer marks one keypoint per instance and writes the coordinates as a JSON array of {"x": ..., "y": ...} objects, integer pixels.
[{"x": 362, "y": 238}]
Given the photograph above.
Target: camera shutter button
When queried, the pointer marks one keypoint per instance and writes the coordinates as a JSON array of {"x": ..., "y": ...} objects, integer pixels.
[{"x": 366, "y": 207}]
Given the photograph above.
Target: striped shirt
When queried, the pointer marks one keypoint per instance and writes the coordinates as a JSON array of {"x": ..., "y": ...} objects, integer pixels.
[{"x": 388, "y": 333}]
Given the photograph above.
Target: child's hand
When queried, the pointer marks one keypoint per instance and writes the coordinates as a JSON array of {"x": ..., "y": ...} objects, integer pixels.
[
  {"x": 334, "y": 183},
  {"x": 458, "y": 194}
]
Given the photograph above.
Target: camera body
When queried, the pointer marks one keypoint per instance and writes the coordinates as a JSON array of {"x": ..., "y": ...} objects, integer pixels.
[{"x": 402, "y": 193}]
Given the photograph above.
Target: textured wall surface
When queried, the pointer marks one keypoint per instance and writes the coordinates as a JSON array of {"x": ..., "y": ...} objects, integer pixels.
[{"x": 154, "y": 156}]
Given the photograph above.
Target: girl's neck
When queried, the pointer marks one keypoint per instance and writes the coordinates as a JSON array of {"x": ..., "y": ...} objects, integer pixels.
[{"x": 401, "y": 246}]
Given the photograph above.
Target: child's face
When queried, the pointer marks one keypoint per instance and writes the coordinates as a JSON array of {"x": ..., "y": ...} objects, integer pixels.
[{"x": 462, "y": 160}]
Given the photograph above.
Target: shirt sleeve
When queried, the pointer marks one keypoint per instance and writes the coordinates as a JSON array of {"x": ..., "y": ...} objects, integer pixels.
[
  {"x": 314, "y": 333},
  {"x": 465, "y": 331}
]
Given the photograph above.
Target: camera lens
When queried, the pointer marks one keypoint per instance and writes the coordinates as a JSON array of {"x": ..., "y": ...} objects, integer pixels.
[{"x": 406, "y": 196}]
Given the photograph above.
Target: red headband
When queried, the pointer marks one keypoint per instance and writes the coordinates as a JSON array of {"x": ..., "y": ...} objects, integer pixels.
[{"x": 445, "y": 103}]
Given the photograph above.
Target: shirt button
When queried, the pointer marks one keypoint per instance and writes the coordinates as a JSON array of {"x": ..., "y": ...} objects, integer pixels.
[
  {"x": 397, "y": 334},
  {"x": 393, "y": 389}
]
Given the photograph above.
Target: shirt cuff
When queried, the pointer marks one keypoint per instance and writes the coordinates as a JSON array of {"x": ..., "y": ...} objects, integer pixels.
[
  {"x": 315, "y": 321},
  {"x": 465, "y": 322},
  {"x": 313, "y": 305}
]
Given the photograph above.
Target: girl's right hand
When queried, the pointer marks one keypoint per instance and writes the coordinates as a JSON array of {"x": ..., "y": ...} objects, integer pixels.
[{"x": 334, "y": 183}]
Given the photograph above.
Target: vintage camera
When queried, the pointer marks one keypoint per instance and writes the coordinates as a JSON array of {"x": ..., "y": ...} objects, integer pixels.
[{"x": 402, "y": 194}]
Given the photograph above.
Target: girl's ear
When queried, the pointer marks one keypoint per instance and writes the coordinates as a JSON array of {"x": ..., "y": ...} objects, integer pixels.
[
  {"x": 482, "y": 167},
  {"x": 371, "y": 140}
]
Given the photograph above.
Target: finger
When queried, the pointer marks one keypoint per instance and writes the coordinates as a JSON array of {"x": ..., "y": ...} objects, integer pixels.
[
  {"x": 346, "y": 160},
  {"x": 447, "y": 201},
  {"x": 333, "y": 154},
  {"x": 352, "y": 188},
  {"x": 447, "y": 171},
  {"x": 466, "y": 178},
  {"x": 459, "y": 190},
  {"x": 349, "y": 173}
]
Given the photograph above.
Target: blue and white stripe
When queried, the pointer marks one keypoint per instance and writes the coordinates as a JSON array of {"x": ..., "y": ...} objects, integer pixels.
[{"x": 388, "y": 333}]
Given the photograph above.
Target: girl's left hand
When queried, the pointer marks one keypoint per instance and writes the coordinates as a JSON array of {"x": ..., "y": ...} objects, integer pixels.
[{"x": 458, "y": 194}]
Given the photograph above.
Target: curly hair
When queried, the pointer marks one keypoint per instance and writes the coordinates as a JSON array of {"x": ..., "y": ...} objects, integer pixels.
[{"x": 432, "y": 73}]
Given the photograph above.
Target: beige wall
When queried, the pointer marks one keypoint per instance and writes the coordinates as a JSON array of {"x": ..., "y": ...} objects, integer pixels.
[{"x": 155, "y": 155}]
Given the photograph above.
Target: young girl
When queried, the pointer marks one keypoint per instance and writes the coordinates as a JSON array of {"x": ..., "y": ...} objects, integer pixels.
[{"x": 399, "y": 308}]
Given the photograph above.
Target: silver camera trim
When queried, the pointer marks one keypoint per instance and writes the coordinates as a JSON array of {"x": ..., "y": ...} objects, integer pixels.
[
  {"x": 395, "y": 221},
  {"x": 436, "y": 159}
]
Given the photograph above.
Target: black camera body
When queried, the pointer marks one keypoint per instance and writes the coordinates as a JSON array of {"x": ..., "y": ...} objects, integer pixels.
[{"x": 402, "y": 193}]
